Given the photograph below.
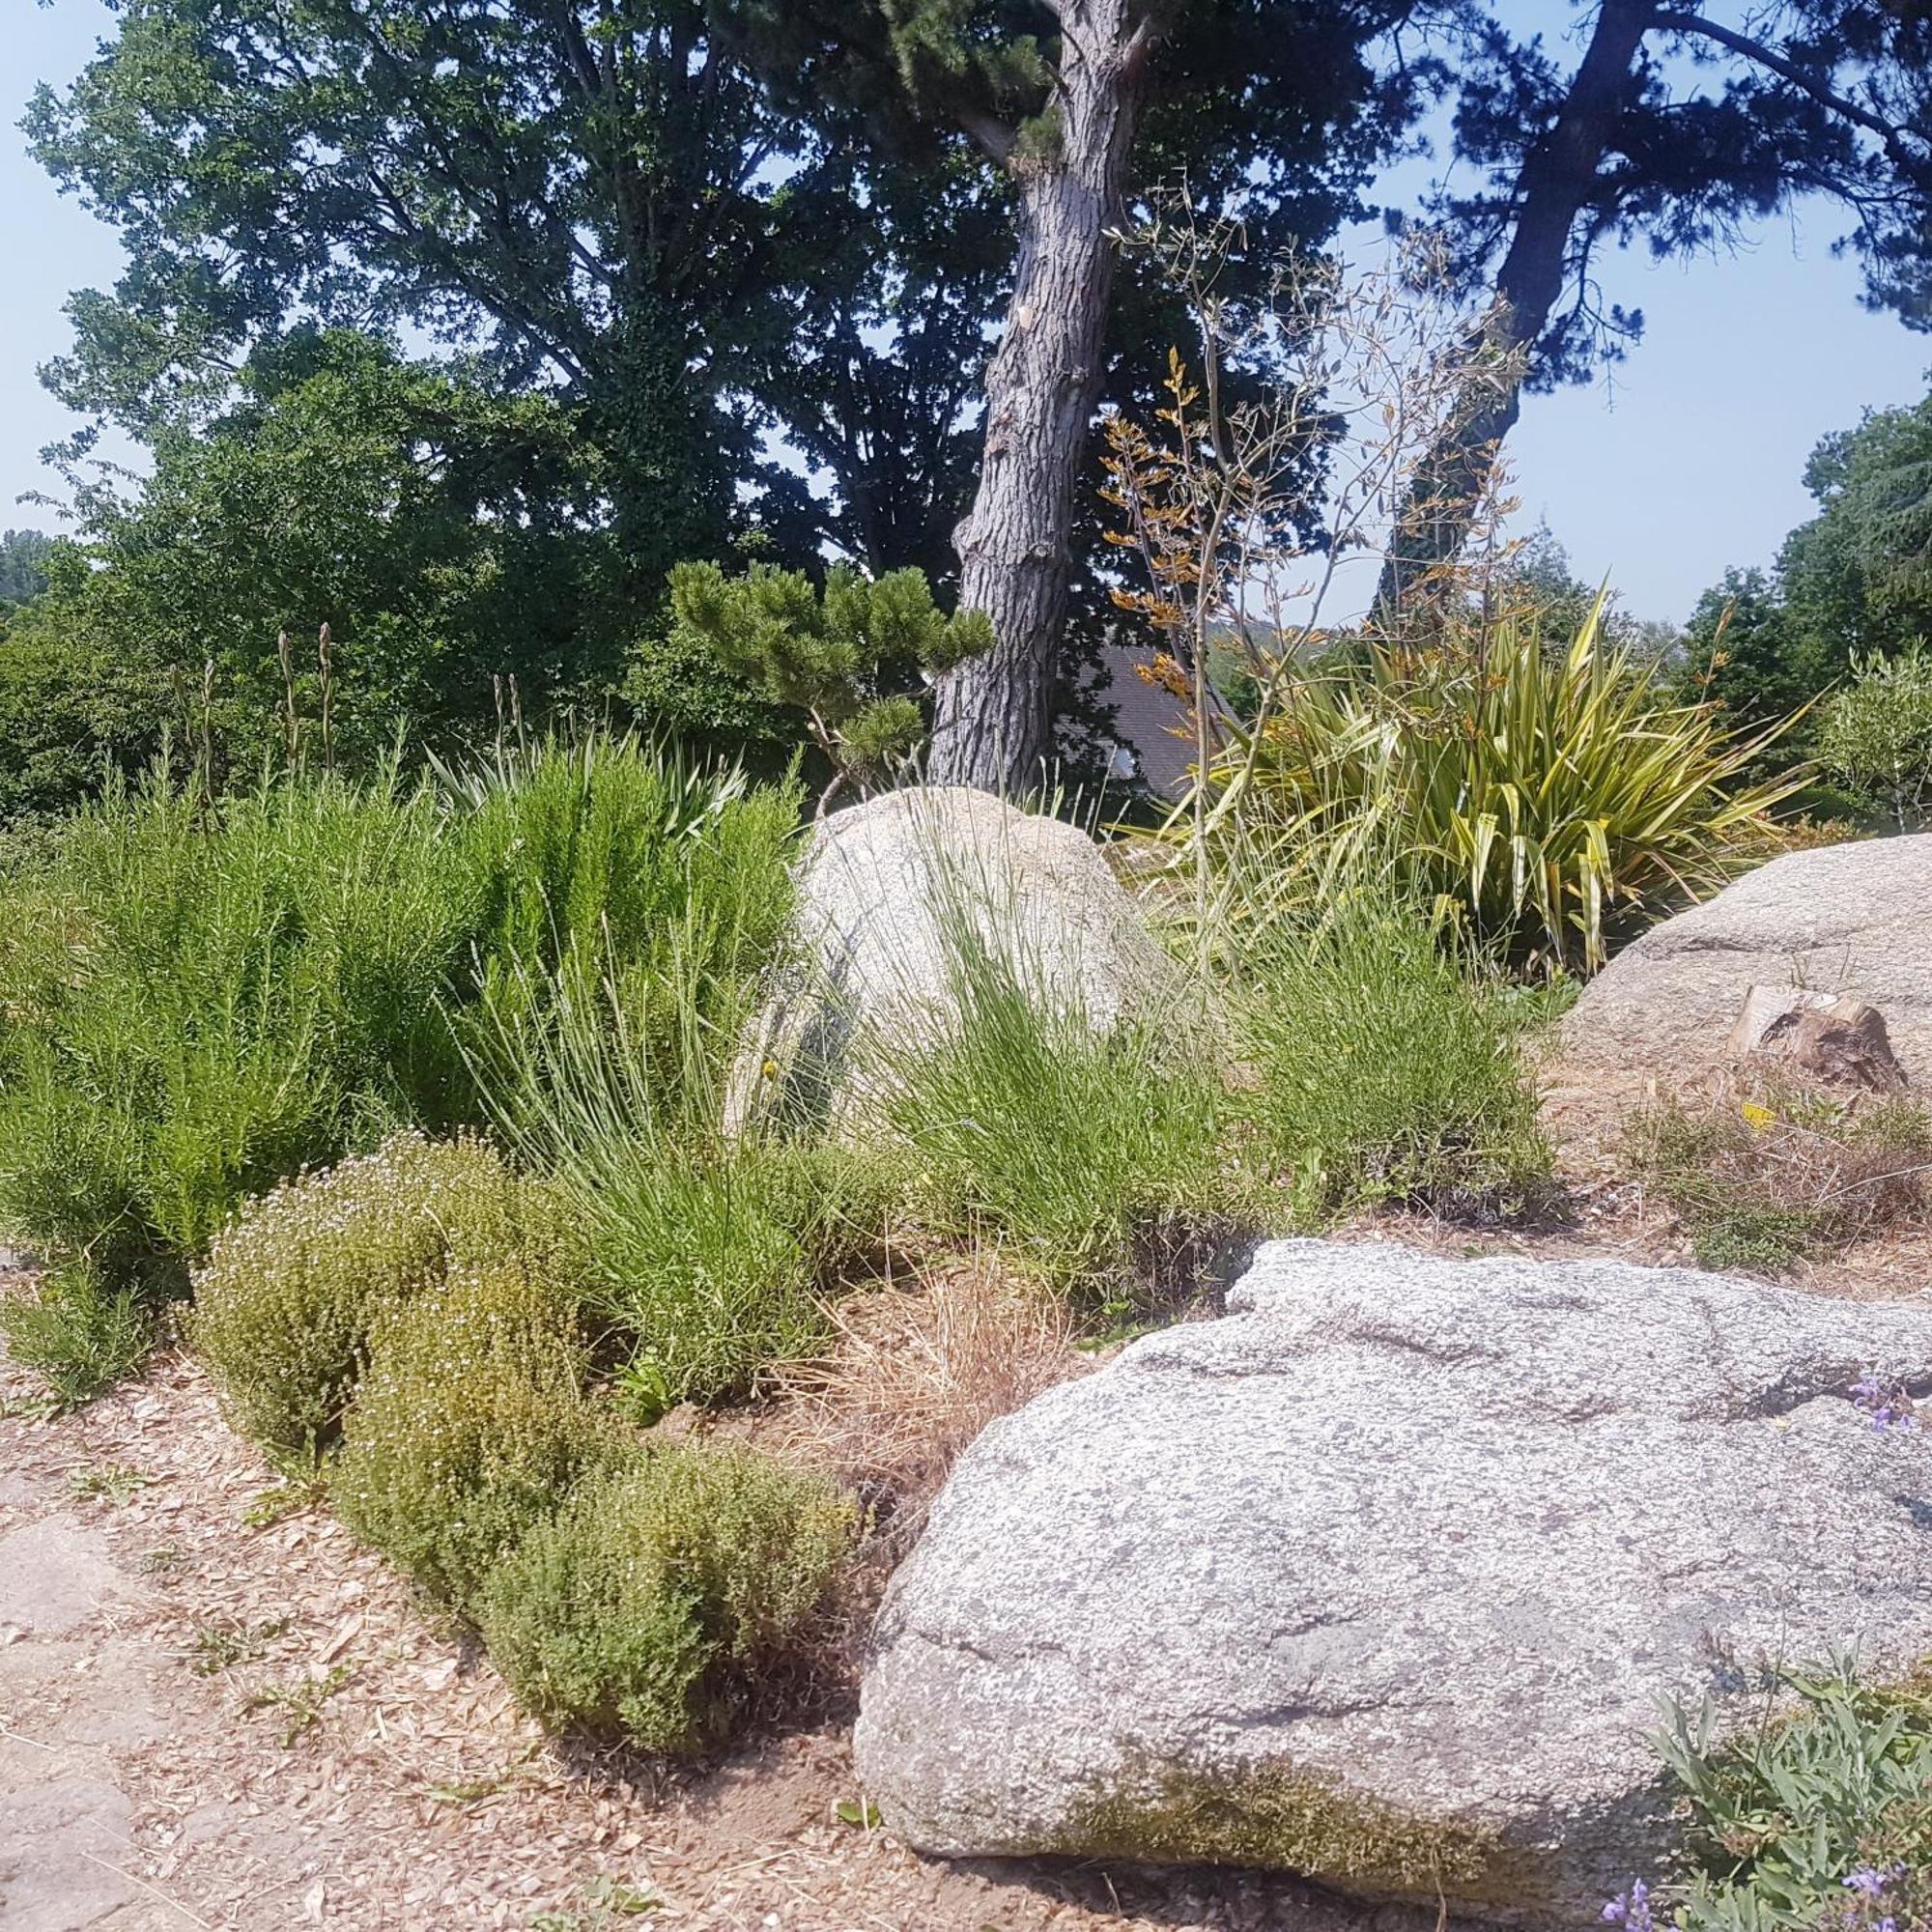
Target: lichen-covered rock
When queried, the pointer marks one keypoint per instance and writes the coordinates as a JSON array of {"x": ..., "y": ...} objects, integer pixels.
[
  {"x": 1841, "y": 919},
  {"x": 1381, "y": 1576},
  {"x": 886, "y": 890}
]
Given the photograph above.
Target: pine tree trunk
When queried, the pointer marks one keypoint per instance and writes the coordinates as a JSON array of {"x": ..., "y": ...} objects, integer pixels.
[
  {"x": 991, "y": 726},
  {"x": 1555, "y": 184}
]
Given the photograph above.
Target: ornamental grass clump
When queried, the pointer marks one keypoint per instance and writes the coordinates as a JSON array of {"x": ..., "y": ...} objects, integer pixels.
[
  {"x": 1540, "y": 798},
  {"x": 1084, "y": 1155},
  {"x": 291, "y": 1288},
  {"x": 469, "y": 1425},
  {"x": 702, "y": 1255},
  {"x": 649, "y": 1605},
  {"x": 1384, "y": 1071}
]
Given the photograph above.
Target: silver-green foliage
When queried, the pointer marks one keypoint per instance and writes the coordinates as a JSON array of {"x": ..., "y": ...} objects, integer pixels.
[
  {"x": 291, "y": 1288},
  {"x": 1821, "y": 1816},
  {"x": 648, "y": 1604},
  {"x": 470, "y": 1425}
]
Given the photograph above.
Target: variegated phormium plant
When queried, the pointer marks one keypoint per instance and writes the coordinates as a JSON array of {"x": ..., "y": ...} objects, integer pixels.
[{"x": 1537, "y": 795}]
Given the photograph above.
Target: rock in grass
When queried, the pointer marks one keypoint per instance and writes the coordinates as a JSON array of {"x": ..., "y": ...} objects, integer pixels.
[
  {"x": 1380, "y": 1578},
  {"x": 894, "y": 896},
  {"x": 1842, "y": 918}
]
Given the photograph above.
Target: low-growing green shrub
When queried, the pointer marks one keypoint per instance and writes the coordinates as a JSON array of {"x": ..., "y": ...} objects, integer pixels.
[
  {"x": 1820, "y": 1817},
  {"x": 76, "y": 1332},
  {"x": 646, "y": 1605},
  {"x": 470, "y": 1425},
  {"x": 285, "y": 1302},
  {"x": 200, "y": 997},
  {"x": 1763, "y": 1182},
  {"x": 1383, "y": 1070}
]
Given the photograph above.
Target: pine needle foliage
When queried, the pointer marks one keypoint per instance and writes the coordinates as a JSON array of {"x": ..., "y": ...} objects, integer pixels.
[{"x": 846, "y": 656}]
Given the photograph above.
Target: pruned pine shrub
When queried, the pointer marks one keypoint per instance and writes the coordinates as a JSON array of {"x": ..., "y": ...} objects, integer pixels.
[
  {"x": 80, "y": 1335},
  {"x": 1386, "y": 1071},
  {"x": 648, "y": 1604},
  {"x": 471, "y": 1425},
  {"x": 1761, "y": 1180},
  {"x": 285, "y": 1302}
]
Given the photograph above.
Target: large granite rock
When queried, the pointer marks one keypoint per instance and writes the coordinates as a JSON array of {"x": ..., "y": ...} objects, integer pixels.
[
  {"x": 1844, "y": 919},
  {"x": 887, "y": 891},
  {"x": 1381, "y": 1576}
]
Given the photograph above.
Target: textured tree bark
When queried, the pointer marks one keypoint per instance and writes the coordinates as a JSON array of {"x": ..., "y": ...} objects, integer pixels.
[
  {"x": 1557, "y": 178},
  {"x": 992, "y": 720}
]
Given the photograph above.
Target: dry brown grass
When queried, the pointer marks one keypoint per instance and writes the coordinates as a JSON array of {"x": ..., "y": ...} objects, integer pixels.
[
  {"x": 1764, "y": 1173},
  {"x": 915, "y": 1373}
]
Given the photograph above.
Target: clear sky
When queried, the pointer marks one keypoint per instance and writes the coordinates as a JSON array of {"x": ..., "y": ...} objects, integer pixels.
[{"x": 1685, "y": 458}]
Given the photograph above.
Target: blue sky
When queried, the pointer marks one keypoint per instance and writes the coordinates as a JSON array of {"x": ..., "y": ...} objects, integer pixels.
[{"x": 1685, "y": 458}]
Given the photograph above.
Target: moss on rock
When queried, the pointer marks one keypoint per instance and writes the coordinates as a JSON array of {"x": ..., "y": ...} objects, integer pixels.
[{"x": 1291, "y": 1818}]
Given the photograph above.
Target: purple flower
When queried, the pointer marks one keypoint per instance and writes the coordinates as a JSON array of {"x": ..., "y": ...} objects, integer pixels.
[
  {"x": 1869, "y": 1881},
  {"x": 1631, "y": 1909},
  {"x": 1889, "y": 1408}
]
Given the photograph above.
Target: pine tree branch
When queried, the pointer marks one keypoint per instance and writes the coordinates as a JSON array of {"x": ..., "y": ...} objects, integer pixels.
[{"x": 1806, "y": 80}]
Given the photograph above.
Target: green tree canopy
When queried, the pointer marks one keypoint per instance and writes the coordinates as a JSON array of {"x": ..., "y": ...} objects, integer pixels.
[
  {"x": 23, "y": 565},
  {"x": 448, "y": 536},
  {"x": 1857, "y": 578}
]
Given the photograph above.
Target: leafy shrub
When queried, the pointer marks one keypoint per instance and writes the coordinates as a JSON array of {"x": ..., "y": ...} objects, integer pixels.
[
  {"x": 647, "y": 1603},
  {"x": 1539, "y": 797},
  {"x": 1382, "y": 1072},
  {"x": 195, "y": 1008},
  {"x": 1820, "y": 1817},
  {"x": 1763, "y": 1182},
  {"x": 74, "y": 1332},
  {"x": 1876, "y": 736},
  {"x": 198, "y": 998},
  {"x": 291, "y": 1288},
  {"x": 470, "y": 1425}
]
